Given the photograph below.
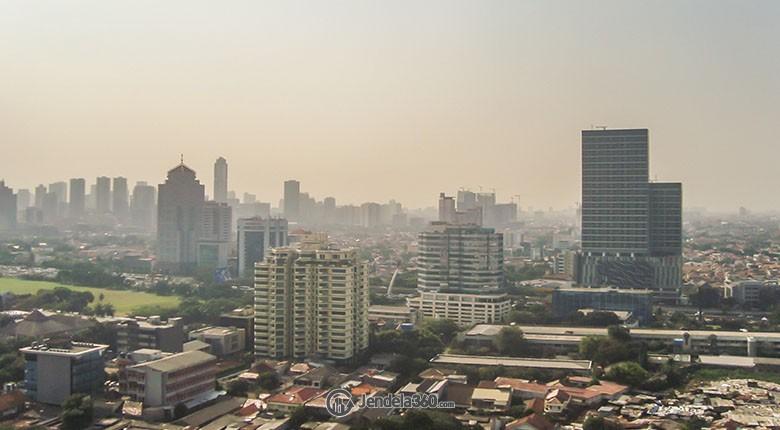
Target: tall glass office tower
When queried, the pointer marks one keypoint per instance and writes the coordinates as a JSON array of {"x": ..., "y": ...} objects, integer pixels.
[{"x": 631, "y": 227}]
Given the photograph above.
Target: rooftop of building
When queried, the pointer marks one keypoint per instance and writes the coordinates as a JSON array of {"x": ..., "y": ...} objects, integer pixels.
[
  {"x": 178, "y": 361},
  {"x": 153, "y": 322},
  {"x": 63, "y": 349},
  {"x": 246, "y": 312},
  {"x": 602, "y": 290},
  {"x": 215, "y": 331},
  {"x": 539, "y": 363},
  {"x": 39, "y": 324},
  {"x": 295, "y": 395},
  {"x": 485, "y": 329},
  {"x": 389, "y": 308}
]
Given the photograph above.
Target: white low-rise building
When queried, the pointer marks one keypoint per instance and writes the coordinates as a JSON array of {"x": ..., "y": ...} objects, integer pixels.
[{"x": 464, "y": 309}]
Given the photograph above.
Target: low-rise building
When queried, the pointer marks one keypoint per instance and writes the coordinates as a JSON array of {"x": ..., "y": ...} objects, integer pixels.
[
  {"x": 566, "y": 301},
  {"x": 464, "y": 309},
  {"x": 223, "y": 340},
  {"x": 573, "y": 366},
  {"x": 292, "y": 398},
  {"x": 762, "y": 344},
  {"x": 391, "y": 314},
  {"x": 243, "y": 318},
  {"x": 556, "y": 402},
  {"x": 52, "y": 373},
  {"x": 535, "y": 421},
  {"x": 151, "y": 333},
  {"x": 168, "y": 381},
  {"x": 492, "y": 399},
  {"x": 745, "y": 292}
]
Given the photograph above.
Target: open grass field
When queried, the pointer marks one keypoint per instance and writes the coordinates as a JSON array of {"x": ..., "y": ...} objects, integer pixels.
[{"x": 123, "y": 301}]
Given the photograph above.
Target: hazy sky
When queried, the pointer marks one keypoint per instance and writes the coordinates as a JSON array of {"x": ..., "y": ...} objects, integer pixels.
[{"x": 368, "y": 100}]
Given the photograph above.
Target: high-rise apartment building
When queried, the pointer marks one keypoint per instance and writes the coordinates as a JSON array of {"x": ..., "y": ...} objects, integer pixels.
[
  {"x": 23, "y": 199},
  {"x": 179, "y": 208},
  {"x": 448, "y": 213},
  {"x": 143, "y": 206},
  {"x": 446, "y": 208},
  {"x": 466, "y": 200},
  {"x": 103, "y": 195},
  {"x": 120, "y": 200},
  {"x": 631, "y": 228},
  {"x": 256, "y": 237},
  {"x": 23, "y": 202},
  {"x": 60, "y": 189},
  {"x": 311, "y": 302},
  {"x": 77, "y": 201},
  {"x": 216, "y": 226},
  {"x": 220, "y": 180},
  {"x": 8, "y": 207},
  {"x": 40, "y": 194},
  {"x": 460, "y": 258},
  {"x": 370, "y": 214},
  {"x": 50, "y": 208},
  {"x": 292, "y": 204}
]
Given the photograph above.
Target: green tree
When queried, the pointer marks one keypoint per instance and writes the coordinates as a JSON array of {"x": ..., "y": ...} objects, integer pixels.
[
  {"x": 619, "y": 333},
  {"x": 518, "y": 411},
  {"x": 627, "y": 372},
  {"x": 238, "y": 388},
  {"x": 510, "y": 341},
  {"x": 595, "y": 422},
  {"x": 600, "y": 319},
  {"x": 444, "y": 328},
  {"x": 268, "y": 380},
  {"x": 77, "y": 412},
  {"x": 298, "y": 417}
]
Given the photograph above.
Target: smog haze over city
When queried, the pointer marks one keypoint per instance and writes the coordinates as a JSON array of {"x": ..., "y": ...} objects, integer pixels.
[
  {"x": 389, "y": 215},
  {"x": 409, "y": 97}
]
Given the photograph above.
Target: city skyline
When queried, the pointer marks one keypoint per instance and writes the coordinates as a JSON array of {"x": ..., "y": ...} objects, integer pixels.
[{"x": 407, "y": 106}]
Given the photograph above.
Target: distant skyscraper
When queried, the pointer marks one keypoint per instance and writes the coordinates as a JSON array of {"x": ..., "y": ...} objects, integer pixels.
[
  {"x": 631, "y": 228},
  {"x": 60, "y": 189},
  {"x": 292, "y": 204},
  {"x": 466, "y": 200},
  {"x": 120, "y": 206},
  {"x": 446, "y": 208},
  {"x": 179, "y": 205},
  {"x": 50, "y": 208},
  {"x": 77, "y": 202},
  {"x": 103, "y": 195},
  {"x": 460, "y": 258},
  {"x": 23, "y": 199},
  {"x": 220, "y": 180},
  {"x": 215, "y": 232},
  {"x": 40, "y": 194},
  {"x": 311, "y": 303},
  {"x": 249, "y": 198},
  {"x": 8, "y": 207},
  {"x": 256, "y": 237},
  {"x": 329, "y": 210},
  {"x": 448, "y": 213},
  {"x": 143, "y": 205}
]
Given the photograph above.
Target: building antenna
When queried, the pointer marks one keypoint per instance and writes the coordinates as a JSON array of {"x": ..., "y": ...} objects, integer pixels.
[{"x": 181, "y": 159}]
